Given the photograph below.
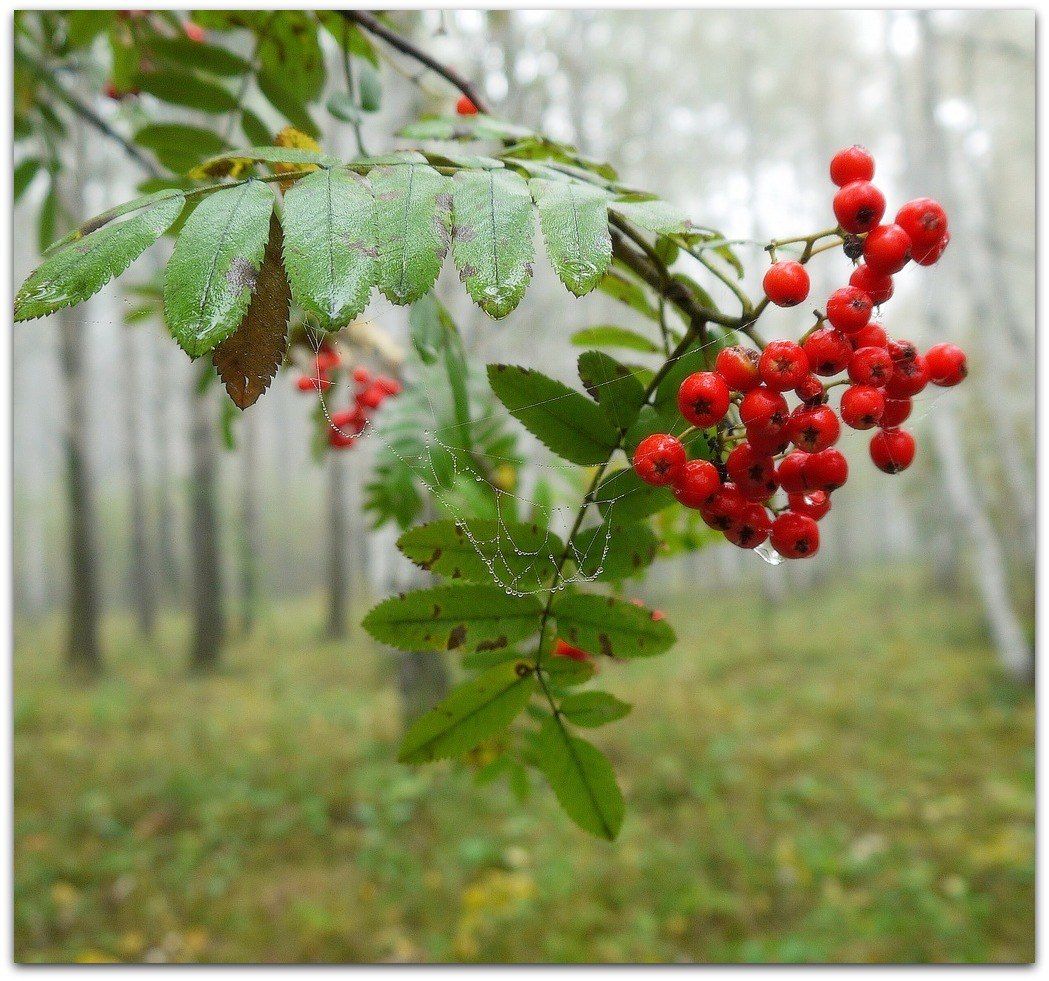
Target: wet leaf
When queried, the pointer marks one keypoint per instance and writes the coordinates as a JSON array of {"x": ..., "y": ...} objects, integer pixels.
[{"x": 574, "y": 220}]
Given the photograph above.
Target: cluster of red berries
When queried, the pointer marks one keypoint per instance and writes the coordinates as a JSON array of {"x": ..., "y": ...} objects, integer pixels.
[
  {"x": 370, "y": 392},
  {"x": 734, "y": 491}
]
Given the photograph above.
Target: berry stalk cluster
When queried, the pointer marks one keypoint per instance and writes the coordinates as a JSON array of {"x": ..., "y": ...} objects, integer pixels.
[{"x": 760, "y": 449}]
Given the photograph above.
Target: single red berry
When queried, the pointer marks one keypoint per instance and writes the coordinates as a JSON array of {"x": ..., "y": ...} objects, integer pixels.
[
  {"x": 896, "y": 411},
  {"x": 795, "y": 536},
  {"x": 862, "y": 406},
  {"x": 791, "y": 473},
  {"x": 892, "y": 450},
  {"x": 350, "y": 421},
  {"x": 827, "y": 470},
  {"x": 327, "y": 359},
  {"x": 815, "y": 429},
  {"x": 929, "y": 256},
  {"x": 783, "y": 364},
  {"x": 828, "y": 351},
  {"x": 564, "y": 649},
  {"x": 372, "y": 397},
  {"x": 908, "y": 379},
  {"x": 703, "y": 399},
  {"x": 786, "y": 283},
  {"x": 194, "y": 31},
  {"x": 362, "y": 376},
  {"x": 319, "y": 381},
  {"x": 659, "y": 458},
  {"x": 854, "y": 163},
  {"x": 859, "y": 206},
  {"x": 887, "y": 249},
  {"x": 813, "y": 505},
  {"x": 751, "y": 528},
  {"x": 465, "y": 106},
  {"x": 849, "y": 309},
  {"x": 873, "y": 335},
  {"x": 871, "y": 366},
  {"x": 695, "y": 483},
  {"x": 389, "y": 385},
  {"x": 763, "y": 412},
  {"x": 900, "y": 350},
  {"x": 924, "y": 221},
  {"x": 724, "y": 508},
  {"x": 811, "y": 391},
  {"x": 876, "y": 285},
  {"x": 946, "y": 365},
  {"x": 770, "y": 443},
  {"x": 738, "y": 365},
  {"x": 752, "y": 471},
  {"x": 340, "y": 441}
]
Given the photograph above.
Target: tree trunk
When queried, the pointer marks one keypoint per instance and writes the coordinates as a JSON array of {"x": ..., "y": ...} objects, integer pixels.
[
  {"x": 209, "y": 625},
  {"x": 337, "y": 542}
]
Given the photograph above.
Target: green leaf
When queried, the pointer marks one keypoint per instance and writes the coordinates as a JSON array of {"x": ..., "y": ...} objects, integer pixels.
[
  {"x": 411, "y": 227},
  {"x": 591, "y": 709},
  {"x": 182, "y": 88},
  {"x": 329, "y": 246},
  {"x": 615, "y": 550},
  {"x": 626, "y": 497},
  {"x": 564, "y": 672},
  {"x": 608, "y": 335},
  {"x": 24, "y": 174},
  {"x": 613, "y": 385},
  {"x": 181, "y": 52},
  {"x": 622, "y": 289},
  {"x": 653, "y": 216},
  {"x": 581, "y": 778},
  {"x": 179, "y": 147},
  {"x": 215, "y": 264},
  {"x": 609, "y": 627},
  {"x": 428, "y": 326},
  {"x": 460, "y": 617},
  {"x": 574, "y": 220},
  {"x": 289, "y": 105},
  {"x": 272, "y": 154},
  {"x": 289, "y": 50},
  {"x": 253, "y": 128},
  {"x": 85, "y": 25},
  {"x": 82, "y": 267},
  {"x": 474, "y": 711},
  {"x": 369, "y": 88},
  {"x": 561, "y": 418},
  {"x": 517, "y": 556},
  {"x": 47, "y": 219},
  {"x": 136, "y": 204},
  {"x": 492, "y": 243},
  {"x": 342, "y": 106}
]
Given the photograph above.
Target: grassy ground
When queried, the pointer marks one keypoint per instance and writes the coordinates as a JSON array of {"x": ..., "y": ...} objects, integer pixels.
[{"x": 843, "y": 779}]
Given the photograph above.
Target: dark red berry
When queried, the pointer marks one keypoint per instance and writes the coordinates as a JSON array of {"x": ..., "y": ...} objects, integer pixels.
[
  {"x": 763, "y": 411},
  {"x": 854, "y": 163},
  {"x": 703, "y": 399},
  {"x": 862, "y": 407},
  {"x": 795, "y": 536},
  {"x": 871, "y": 366},
  {"x": 813, "y": 505},
  {"x": 723, "y": 508},
  {"x": 770, "y": 443},
  {"x": 786, "y": 283},
  {"x": 892, "y": 450},
  {"x": 908, "y": 379},
  {"x": 924, "y": 221},
  {"x": 659, "y": 458},
  {"x": 828, "y": 351},
  {"x": 751, "y": 527},
  {"x": 813, "y": 430},
  {"x": 946, "y": 365},
  {"x": 738, "y": 365},
  {"x": 876, "y": 285},
  {"x": 859, "y": 206},
  {"x": 697, "y": 480},
  {"x": 887, "y": 249},
  {"x": 783, "y": 365},
  {"x": 791, "y": 473},
  {"x": 811, "y": 391},
  {"x": 752, "y": 471},
  {"x": 849, "y": 309},
  {"x": 896, "y": 411},
  {"x": 827, "y": 470},
  {"x": 900, "y": 350},
  {"x": 873, "y": 335},
  {"x": 465, "y": 106}
]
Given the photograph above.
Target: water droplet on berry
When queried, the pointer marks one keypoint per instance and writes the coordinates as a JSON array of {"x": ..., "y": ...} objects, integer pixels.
[{"x": 768, "y": 553}]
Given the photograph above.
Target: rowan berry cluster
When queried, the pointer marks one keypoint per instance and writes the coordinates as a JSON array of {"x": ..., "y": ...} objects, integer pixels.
[
  {"x": 370, "y": 392},
  {"x": 755, "y": 446}
]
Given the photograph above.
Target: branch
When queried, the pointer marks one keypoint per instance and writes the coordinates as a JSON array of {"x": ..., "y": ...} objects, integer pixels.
[{"x": 374, "y": 26}]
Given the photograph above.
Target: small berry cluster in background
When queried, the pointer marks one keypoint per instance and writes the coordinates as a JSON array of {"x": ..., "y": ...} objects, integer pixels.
[
  {"x": 370, "y": 392},
  {"x": 760, "y": 449}
]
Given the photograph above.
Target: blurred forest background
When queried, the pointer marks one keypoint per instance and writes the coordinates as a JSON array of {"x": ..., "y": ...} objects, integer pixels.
[{"x": 835, "y": 762}]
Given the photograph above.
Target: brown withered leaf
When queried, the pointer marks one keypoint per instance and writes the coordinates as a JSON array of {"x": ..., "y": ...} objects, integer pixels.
[{"x": 248, "y": 359}]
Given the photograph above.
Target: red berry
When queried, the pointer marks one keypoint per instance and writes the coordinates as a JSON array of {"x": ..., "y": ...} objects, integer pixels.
[
  {"x": 873, "y": 335},
  {"x": 697, "y": 480},
  {"x": 811, "y": 391},
  {"x": 849, "y": 309},
  {"x": 896, "y": 411},
  {"x": 327, "y": 360},
  {"x": 900, "y": 350},
  {"x": 862, "y": 406},
  {"x": 738, "y": 365},
  {"x": 563, "y": 649},
  {"x": 828, "y": 351},
  {"x": 319, "y": 381},
  {"x": 887, "y": 249},
  {"x": 791, "y": 473},
  {"x": 783, "y": 365},
  {"x": 658, "y": 459},
  {"x": 946, "y": 365},
  {"x": 827, "y": 470},
  {"x": 751, "y": 528},
  {"x": 813, "y": 430},
  {"x": 813, "y": 505},
  {"x": 752, "y": 471},
  {"x": 876, "y": 285},
  {"x": 930, "y": 255},
  {"x": 854, "y": 163},
  {"x": 724, "y": 508},
  {"x": 763, "y": 412},
  {"x": 372, "y": 397},
  {"x": 349, "y": 420},
  {"x": 194, "y": 32},
  {"x": 340, "y": 441},
  {"x": 892, "y": 450},
  {"x": 924, "y": 221},
  {"x": 465, "y": 106},
  {"x": 362, "y": 376},
  {"x": 770, "y": 443},
  {"x": 786, "y": 284},
  {"x": 858, "y": 207},
  {"x": 795, "y": 536},
  {"x": 703, "y": 399},
  {"x": 871, "y": 366},
  {"x": 908, "y": 379},
  {"x": 389, "y": 385}
]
